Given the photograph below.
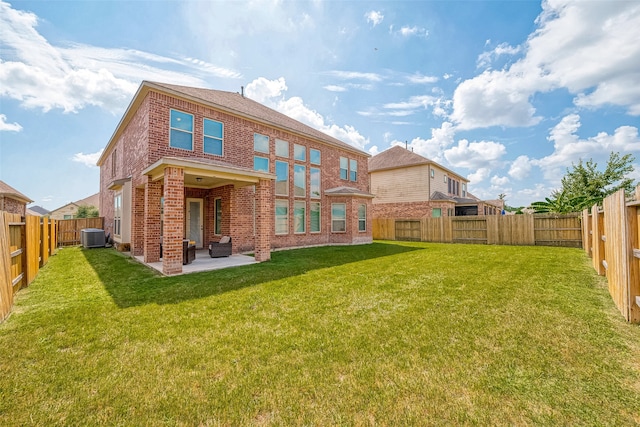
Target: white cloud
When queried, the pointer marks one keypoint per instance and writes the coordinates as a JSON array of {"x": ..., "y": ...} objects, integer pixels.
[
  {"x": 386, "y": 137},
  {"x": 479, "y": 175},
  {"x": 374, "y": 17},
  {"x": 271, "y": 93},
  {"x": 8, "y": 127},
  {"x": 433, "y": 148},
  {"x": 335, "y": 88},
  {"x": 499, "y": 181},
  {"x": 583, "y": 47},
  {"x": 420, "y": 79},
  {"x": 520, "y": 168},
  {"x": 264, "y": 90},
  {"x": 354, "y": 75},
  {"x": 474, "y": 155},
  {"x": 373, "y": 150},
  {"x": 486, "y": 58},
  {"x": 570, "y": 148},
  {"x": 41, "y": 75},
  {"x": 89, "y": 160},
  {"x": 407, "y": 31}
]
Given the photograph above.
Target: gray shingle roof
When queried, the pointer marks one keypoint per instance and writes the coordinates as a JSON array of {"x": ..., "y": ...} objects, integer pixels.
[
  {"x": 10, "y": 192},
  {"x": 396, "y": 157}
]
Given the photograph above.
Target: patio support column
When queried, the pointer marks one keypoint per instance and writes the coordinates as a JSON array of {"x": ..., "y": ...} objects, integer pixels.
[
  {"x": 152, "y": 194},
  {"x": 173, "y": 227},
  {"x": 264, "y": 220},
  {"x": 137, "y": 222}
]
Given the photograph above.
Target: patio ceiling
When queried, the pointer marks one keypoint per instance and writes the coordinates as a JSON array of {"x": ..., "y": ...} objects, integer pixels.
[{"x": 203, "y": 173}]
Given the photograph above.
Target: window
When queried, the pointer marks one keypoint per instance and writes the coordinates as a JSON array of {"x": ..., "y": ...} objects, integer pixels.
[
  {"x": 68, "y": 217},
  {"x": 260, "y": 164},
  {"x": 282, "y": 148},
  {"x": 362, "y": 217},
  {"x": 433, "y": 172},
  {"x": 344, "y": 168},
  {"x": 299, "y": 181},
  {"x": 299, "y": 152},
  {"x": 436, "y": 212},
  {"x": 261, "y": 143},
  {"x": 464, "y": 190},
  {"x": 353, "y": 170},
  {"x": 314, "y": 156},
  {"x": 117, "y": 214},
  {"x": 314, "y": 182},
  {"x": 282, "y": 216},
  {"x": 299, "y": 217},
  {"x": 445, "y": 178},
  {"x": 218, "y": 216},
  {"x": 338, "y": 217},
  {"x": 181, "y": 132},
  {"x": 314, "y": 217},
  {"x": 282, "y": 178},
  {"x": 114, "y": 157},
  {"x": 213, "y": 137}
]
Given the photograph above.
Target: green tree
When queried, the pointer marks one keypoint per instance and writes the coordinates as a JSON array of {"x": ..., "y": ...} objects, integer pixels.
[
  {"x": 561, "y": 203},
  {"x": 87, "y": 212},
  {"x": 585, "y": 180}
]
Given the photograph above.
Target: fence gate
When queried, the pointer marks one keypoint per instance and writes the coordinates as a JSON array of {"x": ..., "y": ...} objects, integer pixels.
[{"x": 408, "y": 230}]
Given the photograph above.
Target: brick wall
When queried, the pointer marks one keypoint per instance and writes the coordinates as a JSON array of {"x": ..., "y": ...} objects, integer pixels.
[
  {"x": 410, "y": 210},
  {"x": 12, "y": 206}
]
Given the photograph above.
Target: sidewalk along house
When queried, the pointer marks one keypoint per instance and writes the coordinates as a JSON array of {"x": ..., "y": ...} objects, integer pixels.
[
  {"x": 408, "y": 185},
  {"x": 201, "y": 164},
  {"x": 13, "y": 201}
]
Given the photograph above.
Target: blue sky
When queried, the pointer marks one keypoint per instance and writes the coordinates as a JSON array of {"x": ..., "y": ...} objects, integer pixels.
[{"x": 508, "y": 94}]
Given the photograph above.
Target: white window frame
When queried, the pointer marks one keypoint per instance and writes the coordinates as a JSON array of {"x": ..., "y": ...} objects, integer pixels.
[
  {"x": 297, "y": 222},
  {"x": 171, "y": 128},
  {"x": 334, "y": 219},
  {"x": 311, "y": 209},
  {"x": 362, "y": 220},
  {"x": 205, "y": 136}
]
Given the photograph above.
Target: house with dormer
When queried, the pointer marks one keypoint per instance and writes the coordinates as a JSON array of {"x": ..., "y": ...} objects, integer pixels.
[{"x": 200, "y": 164}]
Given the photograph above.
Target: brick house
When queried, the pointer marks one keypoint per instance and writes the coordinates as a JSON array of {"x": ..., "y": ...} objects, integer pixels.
[
  {"x": 13, "y": 201},
  {"x": 200, "y": 164},
  {"x": 408, "y": 185}
]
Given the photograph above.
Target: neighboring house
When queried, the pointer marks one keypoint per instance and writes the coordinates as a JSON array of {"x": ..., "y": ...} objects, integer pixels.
[
  {"x": 70, "y": 210},
  {"x": 408, "y": 185},
  {"x": 200, "y": 164},
  {"x": 37, "y": 211},
  {"x": 13, "y": 201}
]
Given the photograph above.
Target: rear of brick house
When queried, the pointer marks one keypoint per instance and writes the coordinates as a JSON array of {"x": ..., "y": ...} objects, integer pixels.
[{"x": 201, "y": 164}]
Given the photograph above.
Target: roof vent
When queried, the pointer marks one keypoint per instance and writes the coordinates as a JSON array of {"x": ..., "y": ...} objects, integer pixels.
[{"x": 242, "y": 91}]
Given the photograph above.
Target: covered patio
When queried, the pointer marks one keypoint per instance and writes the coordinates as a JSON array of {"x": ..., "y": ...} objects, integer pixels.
[{"x": 178, "y": 201}]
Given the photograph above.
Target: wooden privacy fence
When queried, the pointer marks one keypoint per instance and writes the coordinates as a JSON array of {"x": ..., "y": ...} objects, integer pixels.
[
  {"x": 539, "y": 229},
  {"x": 25, "y": 245},
  {"x": 612, "y": 240},
  {"x": 69, "y": 229}
]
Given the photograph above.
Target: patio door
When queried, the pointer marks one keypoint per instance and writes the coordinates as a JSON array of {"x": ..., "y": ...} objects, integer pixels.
[{"x": 194, "y": 228}]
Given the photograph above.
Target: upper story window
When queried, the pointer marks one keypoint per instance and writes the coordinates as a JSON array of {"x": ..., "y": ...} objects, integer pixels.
[
  {"x": 260, "y": 164},
  {"x": 433, "y": 172},
  {"x": 299, "y": 181},
  {"x": 282, "y": 148},
  {"x": 314, "y": 156},
  {"x": 299, "y": 152},
  {"x": 464, "y": 190},
  {"x": 181, "y": 132},
  {"x": 213, "y": 131},
  {"x": 314, "y": 182},
  {"x": 261, "y": 143},
  {"x": 348, "y": 169},
  {"x": 282, "y": 178},
  {"x": 453, "y": 186},
  {"x": 114, "y": 158},
  {"x": 344, "y": 168},
  {"x": 353, "y": 170}
]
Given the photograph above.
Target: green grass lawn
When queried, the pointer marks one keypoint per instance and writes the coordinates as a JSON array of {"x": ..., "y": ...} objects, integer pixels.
[{"x": 385, "y": 334}]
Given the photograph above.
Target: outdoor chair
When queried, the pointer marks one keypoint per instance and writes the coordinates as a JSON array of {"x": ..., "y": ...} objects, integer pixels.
[
  {"x": 188, "y": 252},
  {"x": 221, "y": 248}
]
